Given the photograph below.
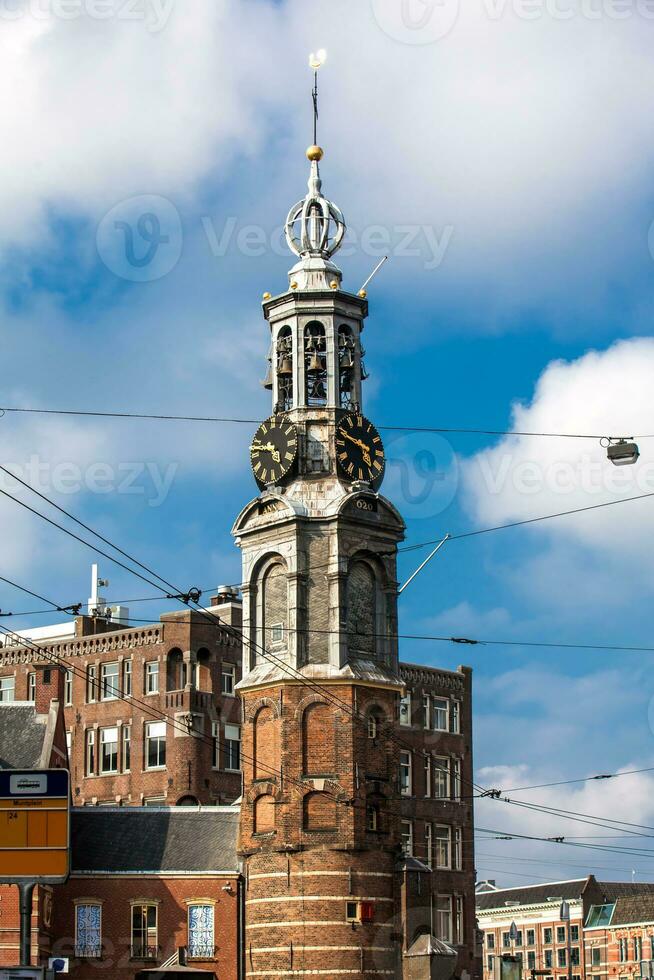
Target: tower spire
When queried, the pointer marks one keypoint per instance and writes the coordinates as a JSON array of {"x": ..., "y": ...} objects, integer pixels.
[{"x": 315, "y": 226}]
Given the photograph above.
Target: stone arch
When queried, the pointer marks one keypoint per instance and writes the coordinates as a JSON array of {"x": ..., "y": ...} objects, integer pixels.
[
  {"x": 264, "y": 814},
  {"x": 265, "y": 742},
  {"x": 318, "y": 739},
  {"x": 203, "y": 670},
  {"x": 175, "y": 670},
  {"x": 284, "y": 365},
  {"x": 315, "y": 363},
  {"x": 319, "y": 811}
]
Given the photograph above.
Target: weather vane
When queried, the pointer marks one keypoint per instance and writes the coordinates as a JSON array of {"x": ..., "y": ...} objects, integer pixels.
[{"x": 316, "y": 61}]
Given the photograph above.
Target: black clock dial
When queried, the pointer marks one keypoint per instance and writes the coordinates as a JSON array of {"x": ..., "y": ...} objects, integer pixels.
[
  {"x": 359, "y": 449},
  {"x": 273, "y": 450}
]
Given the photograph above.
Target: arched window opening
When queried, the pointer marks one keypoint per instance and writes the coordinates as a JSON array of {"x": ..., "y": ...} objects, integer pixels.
[
  {"x": 175, "y": 671},
  {"x": 265, "y": 742},
  {"x": 264, "y": 814},
  {"x": 275, "y": 608},
  {"x": 375, "y": 724},
  {"x": 284, "y": 360},
  {"x": 188, "y": 801},
  {"x": 375, "y": 815},
  {"x": 318, "y": 740},
  {"x": 346, "y": 367},
  {"x": 315, "y": 361},
  {"x": 202, "y": 670},
  {"x": 319, "y": 812},
  {"x": 361, "y": 600}
]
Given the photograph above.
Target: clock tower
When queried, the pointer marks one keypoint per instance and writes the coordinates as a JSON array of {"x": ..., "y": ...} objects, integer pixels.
[{"x": 319, "y": 832}]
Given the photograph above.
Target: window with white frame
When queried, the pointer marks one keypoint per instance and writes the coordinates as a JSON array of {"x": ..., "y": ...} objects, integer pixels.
[
  {"x": 531, "y": 960},
  {"x": 227, "y": 679},
  {"x": 406, "y": 830},
  {"x": 108, "y": 750},
  {"x": 490, "y": 940},
  {"x": 373, "y": 817},
  {"x": 456, "y": 772},
  {"x": 69, "y": 744},
  {"x": 155, "y": 745},
  {"x": 7, "y": 688},
  {"x": 110, "y": 688},
  {"x": 406, "y": 773},
  {"x": 31, "y": 686},
  {"x": 144, "y": 932},
  {"x": 201, "y": 942},
  {"x": 443, "y": 918},
  {"x": 428, "y": 776},
  {"x": 623, "y": 952},
  {"x": 90, "y": 752},
  {"x": 440, "y": 714},
  {"x": 459, "y": 922},
  {"x": 531, "y": 936},
  {"x": 426, "y": 712},
  {"x": 574, "y": 956},
  {"x": 561, "y": 958},
  {"x": 455, "y": 717},
  {"x": 405, "y": 709},
  {"x": 91, "y": 683},
  {"x": 127, "y": 748},
  {"x": 458, "y": 849},
  {"x": 152, "y": 677},
  {"x": 429, "y": 844},
  {"x": 215, "y": 735},
  {"x": 441, "y": 778},
  {"x": 574, "y": 934},
  {"x": 155, "y": 801},
  {"x": 68, "y": 687},
  {"x": 233, "y": 748},
  {"x": 127, "y": 678},
  {"x": 560, "y": 934},
  {"x": 443, "y": 846},
  {"x": 596, "y": 956},
  {"x": 373, "y": 725},
  {"x": 88, "y": 931},
  {"x": 638, "y": 948}
]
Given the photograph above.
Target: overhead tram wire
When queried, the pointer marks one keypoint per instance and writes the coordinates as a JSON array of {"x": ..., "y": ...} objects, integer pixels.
[
  {"x": 245, "y": 421},
  {"x": 187, "y": 600}
]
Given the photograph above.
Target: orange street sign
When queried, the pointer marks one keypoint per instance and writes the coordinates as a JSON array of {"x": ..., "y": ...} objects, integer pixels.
[{"x": 34, "y": 826}]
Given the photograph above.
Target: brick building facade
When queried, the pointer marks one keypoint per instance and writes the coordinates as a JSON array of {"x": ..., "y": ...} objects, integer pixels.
[
  {"x": 609, "y": 933},
  {"x": 174, "y": 736}
]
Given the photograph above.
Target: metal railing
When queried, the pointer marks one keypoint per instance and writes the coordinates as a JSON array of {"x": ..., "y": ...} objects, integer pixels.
[{"x": 145, "y": 951}]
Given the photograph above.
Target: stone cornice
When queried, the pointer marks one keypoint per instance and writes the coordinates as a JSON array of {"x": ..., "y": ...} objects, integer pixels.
[{"x": 83, "y": 646}]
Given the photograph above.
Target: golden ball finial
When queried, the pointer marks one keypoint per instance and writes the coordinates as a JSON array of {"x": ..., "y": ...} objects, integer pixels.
[
  {"x": 363, "y": 294},
  {"x": 315, "y": 153},
  {"x": 267, "y": 295}
]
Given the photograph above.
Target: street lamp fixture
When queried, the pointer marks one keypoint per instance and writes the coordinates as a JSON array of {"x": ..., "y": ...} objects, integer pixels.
[{"x": 621, "y": 452}]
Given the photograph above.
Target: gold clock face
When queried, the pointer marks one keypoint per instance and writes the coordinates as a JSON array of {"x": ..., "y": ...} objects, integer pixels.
[
  {"x": 359, "y": 450},
  {"x": 274, "y": 450}
]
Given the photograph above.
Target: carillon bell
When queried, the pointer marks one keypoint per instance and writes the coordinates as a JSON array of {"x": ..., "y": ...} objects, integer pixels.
[
  {"x": 347, "y": 363},
  {"x": 285, "y": 366},
  {"x": 315, "y": 364},
  {"x": 268, "y": 380}
]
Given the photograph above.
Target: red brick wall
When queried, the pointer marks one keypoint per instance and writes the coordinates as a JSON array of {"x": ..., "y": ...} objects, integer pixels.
[{"x": 172, "y": 895}]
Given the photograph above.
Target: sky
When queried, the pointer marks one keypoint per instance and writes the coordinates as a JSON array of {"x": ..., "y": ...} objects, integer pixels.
[{"x": 501, "y": 154}]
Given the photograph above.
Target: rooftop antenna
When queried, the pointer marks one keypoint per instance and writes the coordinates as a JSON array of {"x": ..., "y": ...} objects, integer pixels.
[{"x": 316, "y": 61}]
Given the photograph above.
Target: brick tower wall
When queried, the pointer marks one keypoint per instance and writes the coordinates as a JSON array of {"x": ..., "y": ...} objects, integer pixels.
[{"x": 312, "y": 773}]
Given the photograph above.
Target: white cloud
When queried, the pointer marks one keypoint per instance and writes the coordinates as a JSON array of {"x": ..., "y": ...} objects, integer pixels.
[
  {"x": 524, "y": 477},
  {"x": 537, "y": 726},
  {"x": 526, "y": 137}
]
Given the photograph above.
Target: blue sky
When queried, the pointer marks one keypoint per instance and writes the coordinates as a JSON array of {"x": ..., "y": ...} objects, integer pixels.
[{"x": 504, "y": 162}]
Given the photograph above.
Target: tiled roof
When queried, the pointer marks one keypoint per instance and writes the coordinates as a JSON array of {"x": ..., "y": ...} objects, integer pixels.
[
  {"x": 617, "y": 889},
  {"x": 22, "y": 735},
  {"x": 530, "y": 894},
  {"x": 634, "y": 908},
  {"x": 139, "y": 839}
]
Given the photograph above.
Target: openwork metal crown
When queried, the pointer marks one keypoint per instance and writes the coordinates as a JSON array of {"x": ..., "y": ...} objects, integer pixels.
[{"x": 315, "y": 226}]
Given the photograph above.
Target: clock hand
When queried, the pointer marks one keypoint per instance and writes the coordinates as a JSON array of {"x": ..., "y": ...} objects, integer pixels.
[
  {"x": 362, "y": 446},
  {"x": 267, "y": 448}
]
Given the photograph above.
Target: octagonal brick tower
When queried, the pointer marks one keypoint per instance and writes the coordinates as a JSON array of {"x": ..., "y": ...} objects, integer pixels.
[{"x": 319, "y": 831}]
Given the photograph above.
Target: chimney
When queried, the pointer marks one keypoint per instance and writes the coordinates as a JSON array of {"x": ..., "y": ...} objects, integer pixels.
[
  {"x": 228, "y": 605},
  {"x": 49, "y": 686}
]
